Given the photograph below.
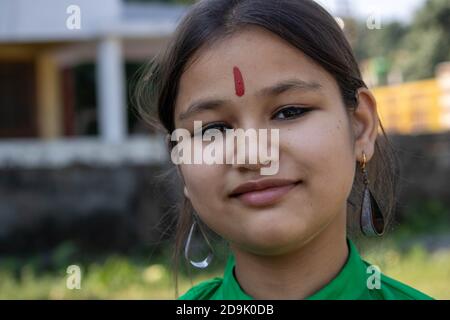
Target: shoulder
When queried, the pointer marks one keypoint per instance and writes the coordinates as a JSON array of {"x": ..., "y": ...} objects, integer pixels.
[
  {"x": 203, "y": 291},
  {"x": 396, "y": 290},
  {"x": 392, "y": 289}
]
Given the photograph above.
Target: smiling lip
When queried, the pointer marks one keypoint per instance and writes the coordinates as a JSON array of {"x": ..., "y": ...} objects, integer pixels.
[{"x": 263, "y": 192}]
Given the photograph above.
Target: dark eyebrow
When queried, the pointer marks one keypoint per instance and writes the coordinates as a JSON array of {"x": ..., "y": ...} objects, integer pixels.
[
  {"x": 202, "y": 105},
  {"x": 274, "y": 90},
  {"x": 290, "y": 84}
]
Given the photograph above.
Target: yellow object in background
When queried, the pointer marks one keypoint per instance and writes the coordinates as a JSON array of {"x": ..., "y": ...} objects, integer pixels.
[{"x": 414, "y": 107}]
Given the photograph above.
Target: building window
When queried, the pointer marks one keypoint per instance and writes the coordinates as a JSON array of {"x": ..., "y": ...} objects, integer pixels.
[{"x": 17, "y": 100}]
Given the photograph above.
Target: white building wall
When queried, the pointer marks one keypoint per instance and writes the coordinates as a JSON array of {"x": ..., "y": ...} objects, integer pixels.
[{"x": 44, "y": 20}]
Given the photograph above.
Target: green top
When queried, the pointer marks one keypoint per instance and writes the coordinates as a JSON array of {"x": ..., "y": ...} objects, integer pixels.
[{"x": 352, "y": 283}]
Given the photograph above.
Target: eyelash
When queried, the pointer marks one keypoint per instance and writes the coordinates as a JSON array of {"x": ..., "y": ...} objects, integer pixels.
[
  {"x": 303, "y": 110},
  {"x": 222, "y": 125}
]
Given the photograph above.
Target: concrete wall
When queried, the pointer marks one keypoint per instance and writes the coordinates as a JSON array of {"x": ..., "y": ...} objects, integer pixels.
[{"x": 121, "y": 205}]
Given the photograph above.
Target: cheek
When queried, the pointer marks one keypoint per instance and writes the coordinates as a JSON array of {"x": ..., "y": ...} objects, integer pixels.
[
  {"x": 322, "y": 149},
  {"x": 205, "y": 186}
]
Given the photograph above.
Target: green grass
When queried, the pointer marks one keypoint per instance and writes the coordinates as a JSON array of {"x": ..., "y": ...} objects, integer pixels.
[
  {"x": 121, "y": 277},
  {"x": 116, "y": 278},
  {"x": 427, "y": 272}
]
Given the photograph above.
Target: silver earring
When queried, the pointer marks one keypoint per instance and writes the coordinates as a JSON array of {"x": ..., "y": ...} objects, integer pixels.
[
  {"x": 205, "y": 262},
  {"x": 372, "y": 221}
]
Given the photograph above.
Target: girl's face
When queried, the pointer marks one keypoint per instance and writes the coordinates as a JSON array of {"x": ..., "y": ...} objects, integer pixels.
[{"x": 315, "y": 147}]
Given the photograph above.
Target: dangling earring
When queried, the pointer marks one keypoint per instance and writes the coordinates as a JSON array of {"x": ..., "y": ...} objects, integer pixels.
[
  {"x": 372, "y": 221},
  {"x": 205, "y": 262}
]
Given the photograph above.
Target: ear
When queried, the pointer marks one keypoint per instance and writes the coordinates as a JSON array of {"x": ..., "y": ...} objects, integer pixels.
[
  {"x": 180, "y": 174},
  {"x": 365, "y": 124},
  {"x": 168, "y": 142},
  {"x": 177, "y": 167}
]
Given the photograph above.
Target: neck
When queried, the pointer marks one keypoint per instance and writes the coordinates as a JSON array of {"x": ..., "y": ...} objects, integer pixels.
[{"x": 298, "y": 274}]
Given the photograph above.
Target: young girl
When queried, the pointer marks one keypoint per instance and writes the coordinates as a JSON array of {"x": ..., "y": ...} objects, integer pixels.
[{"x": 285, "y": 65}]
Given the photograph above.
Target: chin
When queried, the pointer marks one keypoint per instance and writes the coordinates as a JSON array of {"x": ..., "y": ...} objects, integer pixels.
[{"x": 276, "y": 239}]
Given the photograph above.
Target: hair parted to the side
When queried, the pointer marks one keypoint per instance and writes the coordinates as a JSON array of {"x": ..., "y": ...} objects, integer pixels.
[{"x": 302, "y": 23}]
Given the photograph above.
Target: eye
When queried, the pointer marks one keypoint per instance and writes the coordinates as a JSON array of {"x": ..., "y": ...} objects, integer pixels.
[
  {"x": 207, "y": 129},
  {"x": 290, "y": 112}
]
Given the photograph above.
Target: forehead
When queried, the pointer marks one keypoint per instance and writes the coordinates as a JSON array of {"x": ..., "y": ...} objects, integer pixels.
[{"x": 262, "y": 57}]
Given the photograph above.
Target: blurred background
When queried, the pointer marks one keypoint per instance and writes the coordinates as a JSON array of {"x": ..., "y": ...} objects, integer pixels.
[{"x": 84, "y": 182}]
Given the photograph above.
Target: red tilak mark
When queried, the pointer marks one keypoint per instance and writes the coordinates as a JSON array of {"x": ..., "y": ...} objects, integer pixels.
[{"x": 238, "y": 82}]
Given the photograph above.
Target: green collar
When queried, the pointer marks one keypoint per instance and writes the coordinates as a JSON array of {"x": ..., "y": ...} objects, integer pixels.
[{"x": 350, "y": 283}]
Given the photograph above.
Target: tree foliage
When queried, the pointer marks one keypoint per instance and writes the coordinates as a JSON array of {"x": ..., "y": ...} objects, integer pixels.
[{"x": 414, "y": 49}]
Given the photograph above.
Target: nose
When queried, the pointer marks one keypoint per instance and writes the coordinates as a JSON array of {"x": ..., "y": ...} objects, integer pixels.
[
  {"x": 252, "y": 166},
  {"x": 246, "y": 152}
]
